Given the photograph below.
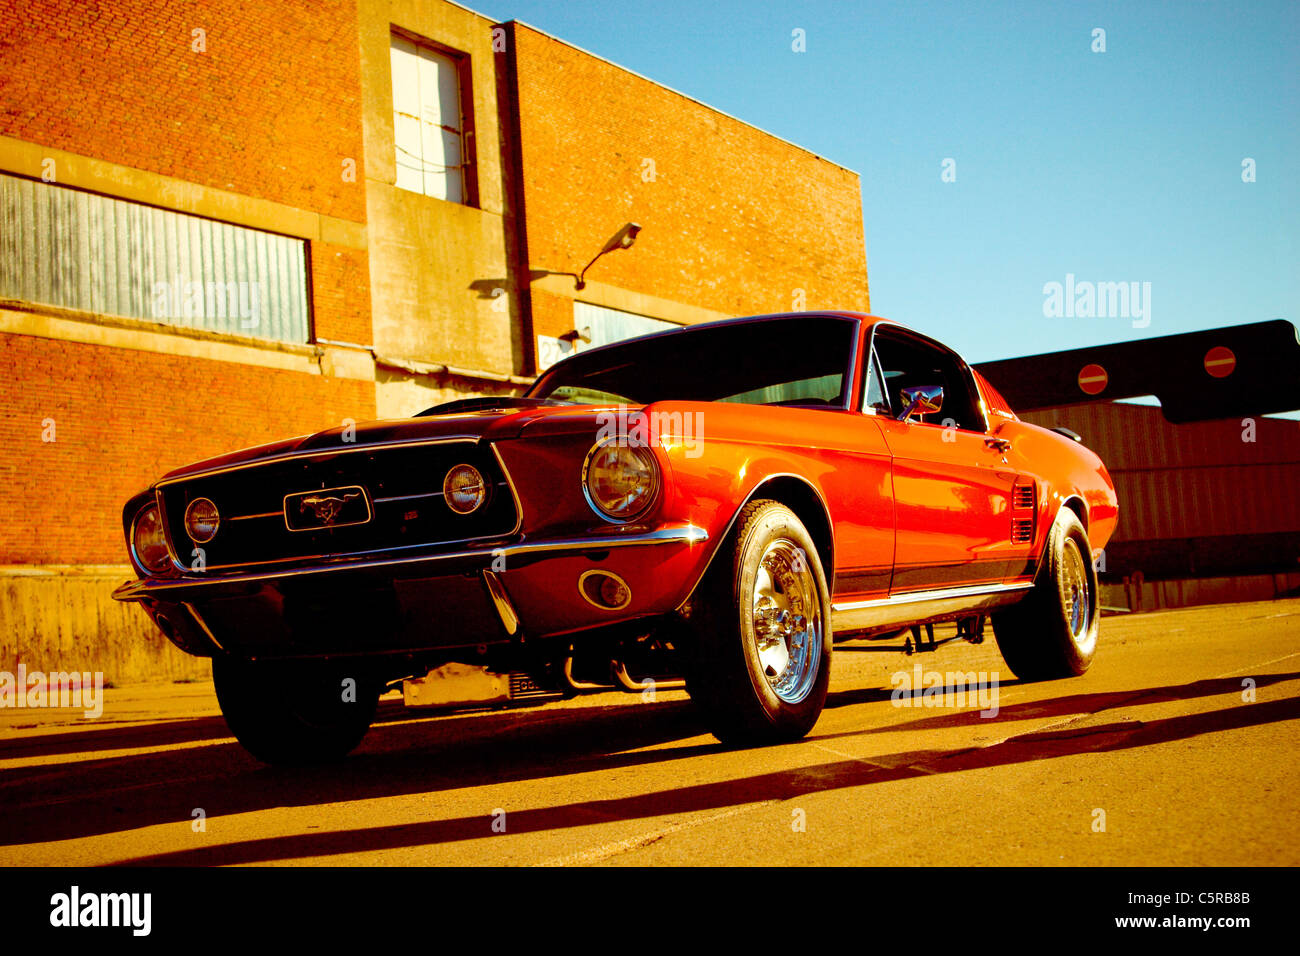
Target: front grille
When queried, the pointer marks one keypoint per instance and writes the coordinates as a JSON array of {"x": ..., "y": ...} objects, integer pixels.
[{"x": 402, "y": 486}]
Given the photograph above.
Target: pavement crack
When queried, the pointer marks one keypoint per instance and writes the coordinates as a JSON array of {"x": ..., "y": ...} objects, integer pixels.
[{"x": 606, "y": 851}]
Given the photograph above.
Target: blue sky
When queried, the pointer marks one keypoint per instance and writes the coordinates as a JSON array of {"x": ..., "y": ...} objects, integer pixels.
[{"x": 1122, "y": 166}]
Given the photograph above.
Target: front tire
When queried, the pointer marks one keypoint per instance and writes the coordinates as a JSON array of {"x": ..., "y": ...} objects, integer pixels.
[
  {"x": 760, "y": 642},
  {"x": 295, "y": 714},
  {"x": 1052, "y": 632}
]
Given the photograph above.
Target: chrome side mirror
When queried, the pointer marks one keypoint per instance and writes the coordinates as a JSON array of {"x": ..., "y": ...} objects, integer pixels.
[{"x": 921, "y": 400}]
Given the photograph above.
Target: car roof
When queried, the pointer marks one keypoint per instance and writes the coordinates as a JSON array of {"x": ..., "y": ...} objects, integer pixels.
[{"x": 739, "y": 320}]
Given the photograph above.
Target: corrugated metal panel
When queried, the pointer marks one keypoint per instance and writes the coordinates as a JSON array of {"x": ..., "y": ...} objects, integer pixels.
[
  {"x": 81, "y": 251},
  {"x": 604, "y": 325},
  {"x": 1138, "y": 436},
  {"x": 1194, "y": 480},
  {"x": 1200, "y": 502}
]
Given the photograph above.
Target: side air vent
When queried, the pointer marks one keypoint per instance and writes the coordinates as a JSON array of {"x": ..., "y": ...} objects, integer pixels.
[
  {"x": 1023, "y": 496},
  {"x": 1024, "y": 503}
]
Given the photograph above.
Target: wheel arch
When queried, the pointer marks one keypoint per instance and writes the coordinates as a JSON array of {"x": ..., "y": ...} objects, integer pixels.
[
  {"x": 1070, "y": 502},
  {"x": 1076, "y": 504},
  {"x": 803, "y": 498}
]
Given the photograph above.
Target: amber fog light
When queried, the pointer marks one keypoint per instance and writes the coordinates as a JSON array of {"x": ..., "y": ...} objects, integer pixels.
[
  {"x": 148, "y": 542},
  {"x": 605, "y": 590},
  {"x": 202, "y": 520},
  {"x": 464, "y": 489}
]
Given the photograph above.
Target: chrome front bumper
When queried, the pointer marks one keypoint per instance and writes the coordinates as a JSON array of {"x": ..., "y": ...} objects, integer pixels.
[{"x": 413, "y": 602}]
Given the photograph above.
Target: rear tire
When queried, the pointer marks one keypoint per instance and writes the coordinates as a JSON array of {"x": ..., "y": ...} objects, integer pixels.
[
  {"x": 299, "y": 714},
  {"x": 1052, "y": 632},
  {"x": 759, "y": 647}
]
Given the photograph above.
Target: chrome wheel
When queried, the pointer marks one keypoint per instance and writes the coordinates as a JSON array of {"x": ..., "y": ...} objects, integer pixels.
[
  {"x": 786, "y": 612},
  {"x": 1076, "y": 591}
]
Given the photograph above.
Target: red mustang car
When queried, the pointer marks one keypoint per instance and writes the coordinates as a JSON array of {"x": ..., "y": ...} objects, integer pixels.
[{"x": 720, "y": 501}]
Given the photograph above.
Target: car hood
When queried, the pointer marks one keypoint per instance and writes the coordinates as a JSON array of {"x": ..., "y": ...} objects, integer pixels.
[{"x": 488, "y": 424}]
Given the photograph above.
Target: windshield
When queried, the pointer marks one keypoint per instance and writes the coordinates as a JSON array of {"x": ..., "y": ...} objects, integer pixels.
[{"x": 803, "y": 360}]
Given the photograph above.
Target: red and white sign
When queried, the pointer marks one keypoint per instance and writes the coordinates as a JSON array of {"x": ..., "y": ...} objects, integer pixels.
[
  {"x": 1219, "y": 361},
  {"x": 1093, "y": 379}
]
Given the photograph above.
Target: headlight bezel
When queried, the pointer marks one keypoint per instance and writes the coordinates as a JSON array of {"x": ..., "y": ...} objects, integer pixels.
[
  {"x": 167, "y": 563},
  {"x": 484, "y": 484},
  {"x": 216, "y": 523},
  {"x": 643, "y": 453}
]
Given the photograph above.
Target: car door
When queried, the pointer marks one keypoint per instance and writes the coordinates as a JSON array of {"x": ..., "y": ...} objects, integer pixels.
[{"x": 952, "y": 482}]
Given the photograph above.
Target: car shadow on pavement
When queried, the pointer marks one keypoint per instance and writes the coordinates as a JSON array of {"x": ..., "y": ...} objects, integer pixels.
[
  {"x": 401, "y": 755},
  {"x": 405, "y": 755},
  {"x": 161, "y": 734},
  {"x": 1053, "y": 706},
  {"x": 779, "y": 785}
]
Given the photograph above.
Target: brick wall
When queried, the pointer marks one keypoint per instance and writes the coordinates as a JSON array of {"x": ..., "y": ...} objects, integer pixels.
[
  {"x": 735, "y": 220},
  {"x": 122, "y": 419},
  {"x": 340, "y": 293},
  {"x": 270, "y": 109},
  {"x": 552, "y": 314}
]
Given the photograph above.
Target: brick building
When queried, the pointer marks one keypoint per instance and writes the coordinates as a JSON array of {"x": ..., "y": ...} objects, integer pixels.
[{"x": 222, "y": 223}]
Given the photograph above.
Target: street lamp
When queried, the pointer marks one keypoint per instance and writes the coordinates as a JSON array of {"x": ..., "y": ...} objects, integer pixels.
[{"x": 622, "y": 239}]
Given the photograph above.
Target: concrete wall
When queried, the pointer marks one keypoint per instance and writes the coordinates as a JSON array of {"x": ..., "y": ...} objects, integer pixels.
[
  {"x": 442, "y": 281},
  {"x": 57, "y": 618}
]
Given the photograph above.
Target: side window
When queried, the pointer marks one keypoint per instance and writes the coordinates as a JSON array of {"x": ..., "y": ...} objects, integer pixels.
[
  {"x": 906, "y": 362},
  {"x": 876, "y": 398}
]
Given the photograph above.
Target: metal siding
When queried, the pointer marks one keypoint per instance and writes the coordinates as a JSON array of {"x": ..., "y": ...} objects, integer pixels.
[
  {"x": 605, "y": 325},
  {"x": 1193, "y": 480},
  {"x": 91, "y": 253},
  {"x": 1227, "y": 500}
]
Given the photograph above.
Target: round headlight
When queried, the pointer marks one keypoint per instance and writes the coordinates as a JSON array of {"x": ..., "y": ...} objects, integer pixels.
[
  {"x": 620, "y": 479},
  {"x": 464, "y": 489},
  {"x": 202, "y": 520},
  {"x": 148, "y": 541}
]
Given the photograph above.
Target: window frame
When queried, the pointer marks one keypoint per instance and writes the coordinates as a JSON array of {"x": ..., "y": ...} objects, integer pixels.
[
  {"x": 168, "y": 324},
  {"x": 465, "y": 97},
  {"x": 963, "y": 369}
]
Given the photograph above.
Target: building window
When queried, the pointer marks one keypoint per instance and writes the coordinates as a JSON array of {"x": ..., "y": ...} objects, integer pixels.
[
  {"x": 77, "y": 250},
  {"x": 595, "y": 325},
  {"x": 600, "y": 325},
  {"x": 431, "y": 120}
]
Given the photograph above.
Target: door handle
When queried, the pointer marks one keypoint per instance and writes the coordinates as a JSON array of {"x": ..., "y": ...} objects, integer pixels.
[{"x": 998, "y": 444}]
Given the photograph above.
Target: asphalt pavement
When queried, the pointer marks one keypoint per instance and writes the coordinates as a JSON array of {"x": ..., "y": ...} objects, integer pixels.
[{"x": 1179, "y": 747}]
